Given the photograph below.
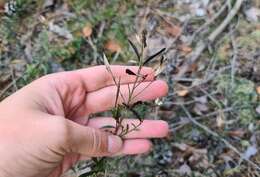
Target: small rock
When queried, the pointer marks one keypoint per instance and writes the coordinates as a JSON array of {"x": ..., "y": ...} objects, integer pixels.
[
  {"x": 185, "y": 170},
  {"x": 251, "y": 151},
  {"x": 200, "y": 12},
  {"x": 253, "y": 14}
]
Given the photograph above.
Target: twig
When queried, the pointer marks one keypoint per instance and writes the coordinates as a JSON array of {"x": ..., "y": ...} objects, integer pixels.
[
  {"x": 13, "y": 79},
  {"x": 9, "y": 86},
  {"x": 209, "y": 131},
  {"x": 185, "y": 122},
  {"x": 233, "y": 62},
  {"x": 210, "y": 21},
  {"x": 194, "y": 56}
]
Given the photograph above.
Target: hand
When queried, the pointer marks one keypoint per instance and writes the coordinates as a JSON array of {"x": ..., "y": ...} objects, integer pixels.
[{"x": 44, "y": 127}]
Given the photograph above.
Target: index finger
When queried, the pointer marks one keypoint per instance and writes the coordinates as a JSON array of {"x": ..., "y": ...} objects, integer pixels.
[{"x": 97, "y": 77}]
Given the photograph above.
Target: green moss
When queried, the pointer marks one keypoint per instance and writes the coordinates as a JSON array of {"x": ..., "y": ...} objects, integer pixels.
[{"x": 241, "y": 94}]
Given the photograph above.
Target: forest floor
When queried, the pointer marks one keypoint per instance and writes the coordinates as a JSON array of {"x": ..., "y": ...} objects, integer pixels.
[{"x": 213, "y": 72}]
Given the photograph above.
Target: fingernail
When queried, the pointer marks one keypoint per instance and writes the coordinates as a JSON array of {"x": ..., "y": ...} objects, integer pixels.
[{"x": 114, "y": 143}]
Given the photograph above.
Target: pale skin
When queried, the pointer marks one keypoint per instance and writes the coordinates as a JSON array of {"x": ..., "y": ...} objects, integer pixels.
[{"x": 45, "y": 129}]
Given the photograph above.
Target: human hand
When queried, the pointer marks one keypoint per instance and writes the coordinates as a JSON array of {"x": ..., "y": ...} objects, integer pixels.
[{"x": 44, "y": 127}]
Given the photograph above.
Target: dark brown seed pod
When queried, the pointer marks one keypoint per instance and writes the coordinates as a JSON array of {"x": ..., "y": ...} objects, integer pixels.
[
  {"x": 135, "y": 49},
  {"x": 153, "y": 56},
  {"x": 128, "y": 71}
]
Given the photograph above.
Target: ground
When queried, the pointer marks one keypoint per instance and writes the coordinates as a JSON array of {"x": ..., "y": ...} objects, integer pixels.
[{"x": 213, "y": 105}]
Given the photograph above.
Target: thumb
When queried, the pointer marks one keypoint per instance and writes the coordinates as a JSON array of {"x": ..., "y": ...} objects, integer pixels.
[{"x": 90, "y": 141}]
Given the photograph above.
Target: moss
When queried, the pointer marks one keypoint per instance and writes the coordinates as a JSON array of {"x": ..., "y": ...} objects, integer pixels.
[{"x": 242, "y": 95}]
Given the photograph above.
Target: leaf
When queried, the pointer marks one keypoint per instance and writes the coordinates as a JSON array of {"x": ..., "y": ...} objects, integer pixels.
[
  {"x": 173, "y": 30},
  {"x": 128, "y": 71},
  {"x": 108, "y": 127},
  {"x": 137, "y": 103},
  {"x": 154, "y": 55},
  {"x": 183, "y": 92},
  {"x": 135, "y": 49},
  {"x": 220, "y": 121},
  {"x": 240, "y": 133},
  {"x": 185, "y": 48},
  {"x": 136, "y": 114},
  {"x": 116, "y": 112},
  {"x": 113, "y": 46},
  {"x": 87, "y": 31}
]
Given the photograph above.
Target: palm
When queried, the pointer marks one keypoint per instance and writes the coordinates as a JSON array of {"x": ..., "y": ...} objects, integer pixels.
[{"x": 77, "y": 94}]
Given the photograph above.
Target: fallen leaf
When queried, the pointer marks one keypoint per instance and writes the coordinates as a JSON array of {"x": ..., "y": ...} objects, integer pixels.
[
  {"x": 193, "y": 67},
  {"x": 237, "y": 133},
  {"x": 113, "y": 46},
  {"x": 185, "y": 48},
  {"x": 183, "y": 92},
  {"x": 87, "y": 31},
  {"x": 258, "y": 90},
  {"x": 220, "y": 121},
  {"x": 173, "y": 30},
  {"x": 181, "y": 146}
]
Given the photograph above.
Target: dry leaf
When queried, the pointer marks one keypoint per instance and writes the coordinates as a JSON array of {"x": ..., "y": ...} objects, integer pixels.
[
  {"x": 193, "y": 67},
  {"x": 173, "y": 30},
  {"x": 220, "y": 121},
  {"x": 185, "y": 49},
  {"x": 181, "y": 146},
  {"x": 183, "y": 92},
  {"x": 113, "y": 46},
  {"x": 258, "y": 90},
  {"x": 237, "y": 133},
  {"x": 87, "y": 31}
]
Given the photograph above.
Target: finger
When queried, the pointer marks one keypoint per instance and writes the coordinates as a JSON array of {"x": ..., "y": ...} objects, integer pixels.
[
  {"x": 88, "y": 141},
  {"x": 135, "y": 146},
  {"x": 98, "y": 77},
  {"x": 130, "y": 147},
  {"x": 148, "y": 128},
  {"x": 105, "y": 98}
]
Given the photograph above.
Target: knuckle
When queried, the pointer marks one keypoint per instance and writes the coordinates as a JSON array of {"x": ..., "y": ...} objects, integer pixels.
[{"x": 99, "y": 144}]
